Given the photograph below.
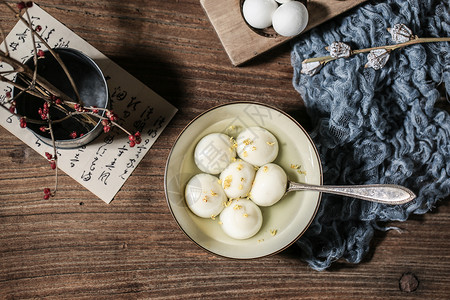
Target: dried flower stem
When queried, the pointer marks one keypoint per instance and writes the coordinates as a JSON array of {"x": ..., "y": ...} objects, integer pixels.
[
  {"x": 55, "y": 156},
  {"x": 101, "y": 118},
  {"x": 35, "y": 57},
  {"x": 416, "y": 40},
  {"x": 34, "y": 84},
  {"x": 20, "y": 87},
  {"x": 7, "y": 72},
  {"x": 25, "y": 70},
  {"x": 55, "y": 55}
]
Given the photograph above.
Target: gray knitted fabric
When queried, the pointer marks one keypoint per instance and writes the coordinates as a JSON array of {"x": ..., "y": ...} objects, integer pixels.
[{"x": 375, "y": 126}]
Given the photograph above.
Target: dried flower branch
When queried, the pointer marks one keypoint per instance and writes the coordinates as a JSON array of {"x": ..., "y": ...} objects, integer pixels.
[
  {"x": 35, "y": 85},
  {"x": 378, "y": 56}
]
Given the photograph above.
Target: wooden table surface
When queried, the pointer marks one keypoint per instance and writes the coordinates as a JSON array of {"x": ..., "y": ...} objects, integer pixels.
[{"x": 76, "y": 246}]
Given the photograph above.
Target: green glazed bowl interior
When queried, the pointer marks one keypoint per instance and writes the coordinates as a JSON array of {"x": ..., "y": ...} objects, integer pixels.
[{"x": 284, "y": 222}]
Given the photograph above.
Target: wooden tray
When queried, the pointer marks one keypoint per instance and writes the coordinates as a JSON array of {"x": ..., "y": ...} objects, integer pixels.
[{"x": 243, "y": 43}]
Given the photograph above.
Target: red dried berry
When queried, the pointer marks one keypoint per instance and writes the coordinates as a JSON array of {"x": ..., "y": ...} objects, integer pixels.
[
  {"x": 106, "y": 128},
  {"x": 12, "y": 109},
  {"x": 38, "y": 28},
  {"x": 94, "y": 110},
  {"x": 131, "y": 138},
  {"x": 48, "y": 155},
  {"x": 43, "y": 128},
  {"x": 8, "y": 94},
  {"x": 112, "y": 116},
  {"x": 137, "y": 137},
  {"x": 46, "y": 196},
  {"x": 29, "y": 4},
  {"x": 23, "y": 122},
  {"x": 132, "y": 144},
  {"x": 21, "y": 5},
  {"x": 53, "y": 164},
  {"x": 105, "y": 122},
  {"x": 73, "y": 135},
  {"x": 47, "y": 191},
  {"x": 40, "y": 53},
  {"x": 58, "y": 101}
]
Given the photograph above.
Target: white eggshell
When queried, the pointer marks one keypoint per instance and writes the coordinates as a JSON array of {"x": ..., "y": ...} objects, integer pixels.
[
  {"x": 290, "y": 18},
  {"x": 214, "y": 152},
  {"x": 242, "y": 219},
  {"x": 205, "y": 196},
  {"x": 237, "y": 179},
  {"x": 258, "y": 13},
  {"x": 257, "y": 146},
  {"x": 269, "y": 185}
]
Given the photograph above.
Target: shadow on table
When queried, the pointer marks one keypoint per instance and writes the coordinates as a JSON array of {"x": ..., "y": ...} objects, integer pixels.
[{"x": 154, "y": 71}]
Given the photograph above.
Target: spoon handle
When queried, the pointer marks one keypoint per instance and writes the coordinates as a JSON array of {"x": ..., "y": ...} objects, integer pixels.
[{"x": 381, "y": 193}]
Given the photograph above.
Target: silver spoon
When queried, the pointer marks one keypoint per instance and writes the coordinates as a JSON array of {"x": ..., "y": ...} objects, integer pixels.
[{"x": 381, "y": 193}]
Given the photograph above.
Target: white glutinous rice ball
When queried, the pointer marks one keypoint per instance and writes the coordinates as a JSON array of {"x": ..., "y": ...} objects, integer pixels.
[
  {"x": 242, "y": 219},
  {"x": 237, "y": 179},
  {"x": 205, "y": 196},
  {"x": 290, "y": 18},
  {"x": 257, "y": 146},
  {"x": 269, "y": 185},
  {"x": 214, "y": 152},
  {"x": 258, "y": 13}
]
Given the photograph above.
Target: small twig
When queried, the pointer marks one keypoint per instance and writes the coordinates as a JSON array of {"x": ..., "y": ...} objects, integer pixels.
[
  {"x": 7, "y": 72},
  {"x": 20, "y": 87},
  {"x": 55, "y": 156},
  {"x": 35, "y": 57}
]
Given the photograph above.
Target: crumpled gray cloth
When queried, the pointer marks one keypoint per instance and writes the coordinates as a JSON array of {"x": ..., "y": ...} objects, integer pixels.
[{"x": 375, "y": 126}]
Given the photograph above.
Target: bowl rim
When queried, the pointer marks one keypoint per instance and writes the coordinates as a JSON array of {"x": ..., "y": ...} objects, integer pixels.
[{"x": 166, "y": 192}]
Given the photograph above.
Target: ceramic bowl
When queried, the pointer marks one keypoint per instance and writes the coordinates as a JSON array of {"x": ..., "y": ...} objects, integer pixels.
[
  {"x": 284, "y": 222},
  {"x": 91, "y": 86}
]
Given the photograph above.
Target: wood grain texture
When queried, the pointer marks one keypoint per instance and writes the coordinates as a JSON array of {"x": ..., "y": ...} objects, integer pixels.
[
  {"x": 75, "y": 246},
  {"x": 243, "y": 43}
]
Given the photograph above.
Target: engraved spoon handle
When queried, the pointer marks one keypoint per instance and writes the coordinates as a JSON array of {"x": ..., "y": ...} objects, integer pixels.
[{"x": 381, "y": 193}]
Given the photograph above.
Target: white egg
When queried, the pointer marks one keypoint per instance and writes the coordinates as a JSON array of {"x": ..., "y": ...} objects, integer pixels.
[
  {"x": 214, "y": 152},
  {"x": 290, "y": 18},
  {"x": 205, "y": 196},
  {"x": 257, "y": 146},
  {"x": 242, "y": 219},
  {"x": 269, "y": 185},
  {"x": 283, "y": 1},
  {"x": 237, "y": 179},
  {"x": 258, "y": 13}
]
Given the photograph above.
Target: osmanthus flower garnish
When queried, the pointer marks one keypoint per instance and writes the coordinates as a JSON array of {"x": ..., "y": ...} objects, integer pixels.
[
  {"x": 52, "y": 98},
  {"x": 377, "y": 57}
]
